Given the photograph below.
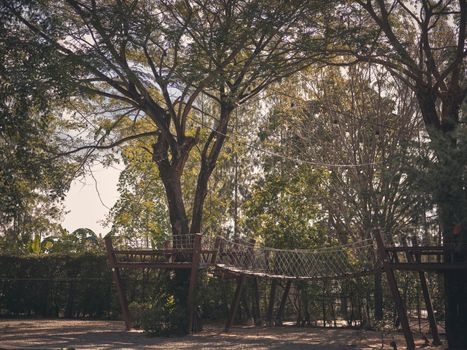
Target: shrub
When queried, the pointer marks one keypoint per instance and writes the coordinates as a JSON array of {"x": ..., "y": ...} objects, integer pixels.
[{"x": 162, "y": 317}]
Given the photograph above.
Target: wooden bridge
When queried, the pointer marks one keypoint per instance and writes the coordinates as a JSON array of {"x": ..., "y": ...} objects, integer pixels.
[{"x": 195, "y": 252}]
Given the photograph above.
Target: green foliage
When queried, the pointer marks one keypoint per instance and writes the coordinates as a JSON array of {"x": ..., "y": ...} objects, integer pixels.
[
  {"x": 32, "y": 180},
  {"x": 141, "y": 211},
  {"x": 359, "y": 126},
  {"x": 79, "y": 241},
  {"x": 283, "y": 210},
  {"x": 161, "y": 317}
]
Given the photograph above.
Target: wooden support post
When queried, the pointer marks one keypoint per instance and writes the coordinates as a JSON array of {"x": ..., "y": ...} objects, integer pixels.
[
  {"x": 272, "y": 297},
  {"x": 236, "y": 301},
  {"x": 280, "y": 311},
  {"x": 394, "y": 290},
  {"x": 426, "y": 297},
  {"x": 112, "y": 260},
  {"x": 256, "y": 303},
  {"x": 195, "y": 258},
  {"x": 246, "y": 307},
  {"x": 239, "y": 290}
]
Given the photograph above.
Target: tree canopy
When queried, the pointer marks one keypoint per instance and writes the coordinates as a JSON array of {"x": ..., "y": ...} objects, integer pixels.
[{"x": 340, "y": 106}]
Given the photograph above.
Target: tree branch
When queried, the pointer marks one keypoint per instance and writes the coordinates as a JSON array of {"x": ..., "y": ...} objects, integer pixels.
[{"x": 112, "y": 145}]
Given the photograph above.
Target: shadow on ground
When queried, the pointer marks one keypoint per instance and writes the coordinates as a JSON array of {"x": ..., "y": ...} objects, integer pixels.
[{"x": 57, "y": 334}]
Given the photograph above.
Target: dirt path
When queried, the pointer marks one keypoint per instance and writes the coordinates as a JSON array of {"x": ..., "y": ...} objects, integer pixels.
[{"x": 58, "y": 334}]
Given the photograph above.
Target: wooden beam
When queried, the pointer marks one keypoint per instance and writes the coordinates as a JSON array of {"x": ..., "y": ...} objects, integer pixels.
[
  {"x": 236, "y": 300},
  {"x": 238, "y": 291},
  {"x": 168, "y": 254},
  {"x": 394, "y": 290},
  {"x": 256, "y": 303},
  {"x": 217, "y": 246},
  {"x": 118, "y": 282},
  {"x": 154, "y": 265},
  {"x": 415, "y": 266},
  {"x": 193, "y": 279},
  {"x": 272, "y": 299},
  {"x": 280, "y": 311},
  {"x": 159, "y": 251},
  {"x": 427, "y": 249},
  {"x": 426, "y": 297}
]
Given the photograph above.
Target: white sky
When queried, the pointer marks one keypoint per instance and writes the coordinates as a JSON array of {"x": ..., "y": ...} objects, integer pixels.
[{"x": 82, "y": 202}]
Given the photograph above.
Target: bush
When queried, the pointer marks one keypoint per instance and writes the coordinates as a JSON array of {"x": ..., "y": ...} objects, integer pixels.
[{"x": 159, "y": 318}]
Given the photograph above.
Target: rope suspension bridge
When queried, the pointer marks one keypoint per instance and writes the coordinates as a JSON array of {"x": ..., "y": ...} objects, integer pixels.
[
  {"x": 240, "y": 257},
  {"x": 302, "y": 264},
  {"x": 246, "y": 259}
]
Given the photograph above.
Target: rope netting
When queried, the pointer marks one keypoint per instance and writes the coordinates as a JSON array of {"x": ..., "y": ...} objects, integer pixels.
[
  {"x": 324, "y": 263},
  {"x": 242, "y": 257}
]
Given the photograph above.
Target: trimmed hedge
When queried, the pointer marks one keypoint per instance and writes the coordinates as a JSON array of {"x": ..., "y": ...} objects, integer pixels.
[
  {"x": 68, "y": 286},
  {"x": 80, "y": 286}
]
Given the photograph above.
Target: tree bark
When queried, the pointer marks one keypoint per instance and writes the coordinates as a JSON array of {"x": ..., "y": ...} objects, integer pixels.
[
  {"x": 256, "y": 302},
  {"x": 177, "y": 212},
  {"x": 170, "y": 155},
  {"x": 171, "y": 172}
]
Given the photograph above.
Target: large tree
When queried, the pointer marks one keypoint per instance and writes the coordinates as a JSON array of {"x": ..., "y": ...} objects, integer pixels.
[
  {"x": 422, "y": 43},
  {"x": 158, "y": 58}
]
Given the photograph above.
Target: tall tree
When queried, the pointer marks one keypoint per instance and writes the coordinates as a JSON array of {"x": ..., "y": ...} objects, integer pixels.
[
  {"x": 158, "y": 57},
  {"x": 423, "y": 44},
  {"x": 362, "y": 124}
]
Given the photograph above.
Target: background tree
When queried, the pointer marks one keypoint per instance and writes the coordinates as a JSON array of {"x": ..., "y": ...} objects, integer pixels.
[
  {"x": 359, "y": 127},
  {"x": 32, "y": 182},
  {"x": 362, "y": 123},
  {"x": 283, "y": 207}
]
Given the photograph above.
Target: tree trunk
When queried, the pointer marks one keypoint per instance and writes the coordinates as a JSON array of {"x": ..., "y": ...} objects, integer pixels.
[
  {"x": 451, "y": 196},
  {"x": 209, "y": 156},
  {"x": 173, "y": 188},
  {"x": 455, "y": 282},
  {"x": 272, "y": 299},
  {"x": 256, "y": 302},
  {"x": 171, "y": 171},
  {"x": 378, "y": 295}
]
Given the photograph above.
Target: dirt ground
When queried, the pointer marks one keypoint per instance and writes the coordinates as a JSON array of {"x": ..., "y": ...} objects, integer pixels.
[{"x": 62, "y": 334}]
